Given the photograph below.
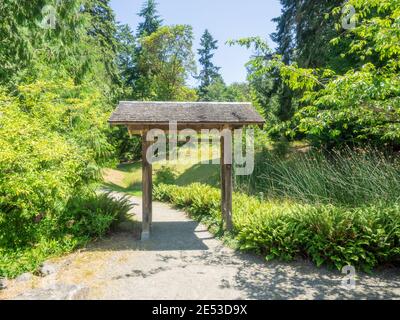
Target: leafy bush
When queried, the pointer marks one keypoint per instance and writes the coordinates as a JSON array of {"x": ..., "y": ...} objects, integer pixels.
[
  {"x": 93, "y": 215},
  {"x": 165, "y": 175},
  {"x": 85, "y": 217},
  {"x": 56, "y": 92},
  {"x": 52, "y": 144},
  {"x": 332, "y": 235}
]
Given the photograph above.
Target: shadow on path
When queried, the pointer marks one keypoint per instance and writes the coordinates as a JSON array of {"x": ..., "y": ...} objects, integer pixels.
[{"x": 185, "y": 258}]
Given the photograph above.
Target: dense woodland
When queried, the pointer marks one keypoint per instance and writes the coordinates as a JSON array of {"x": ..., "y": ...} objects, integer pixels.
[{"x": 65, "y": 64}]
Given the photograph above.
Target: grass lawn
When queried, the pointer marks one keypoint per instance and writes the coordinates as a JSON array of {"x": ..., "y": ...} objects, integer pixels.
[{"x": 128, "y": 177}]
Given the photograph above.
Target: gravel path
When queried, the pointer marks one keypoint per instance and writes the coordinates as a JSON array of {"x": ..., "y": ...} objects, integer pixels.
[{"x": 183, "y": 261}]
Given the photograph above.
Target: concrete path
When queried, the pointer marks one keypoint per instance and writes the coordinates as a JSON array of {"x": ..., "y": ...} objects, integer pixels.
[{"x": 183, "y": 261}]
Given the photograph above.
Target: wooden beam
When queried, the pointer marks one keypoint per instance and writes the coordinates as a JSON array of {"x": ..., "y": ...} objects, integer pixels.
[
  {"x": 147, "y": 186},
  {"x": 136, "y": 128},
  {"x": 226, "y": 180}
]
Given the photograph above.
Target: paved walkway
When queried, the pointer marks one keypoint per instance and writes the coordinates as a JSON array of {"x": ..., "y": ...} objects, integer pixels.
[{"x": 183, "y": 261}]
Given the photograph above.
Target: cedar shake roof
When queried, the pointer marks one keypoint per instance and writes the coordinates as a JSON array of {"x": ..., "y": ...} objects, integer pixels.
[{"x": 196, "y": 113}]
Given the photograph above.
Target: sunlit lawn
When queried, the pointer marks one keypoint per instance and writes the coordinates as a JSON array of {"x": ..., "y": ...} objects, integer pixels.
[{"x": 188, "y": 168}]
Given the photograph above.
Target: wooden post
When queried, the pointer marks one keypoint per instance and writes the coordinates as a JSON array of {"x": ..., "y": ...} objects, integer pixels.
[
  {"x": 147, "y": 185},
  {"x": 222, "y": 177},
  {"x": 226, "y": 178}
]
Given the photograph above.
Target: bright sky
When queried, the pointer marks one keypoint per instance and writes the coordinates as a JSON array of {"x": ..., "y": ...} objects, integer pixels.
[{"x": 225, "y": 19}]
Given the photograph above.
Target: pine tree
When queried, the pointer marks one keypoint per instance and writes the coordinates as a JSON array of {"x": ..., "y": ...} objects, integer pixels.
[
  {"x": 103, "y": 30},
  {"x": 209, "y": 73},
  {"x": 24, "y": 38},
  {"x": 126, "y": 58},
  {"x": 152, "y": 20},
  {"x": 135, "y": 76},
  {"x": 304, "y": 37}
]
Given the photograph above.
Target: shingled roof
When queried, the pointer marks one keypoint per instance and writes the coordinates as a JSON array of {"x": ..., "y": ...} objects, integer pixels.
[{"x": 156, "y": 113}]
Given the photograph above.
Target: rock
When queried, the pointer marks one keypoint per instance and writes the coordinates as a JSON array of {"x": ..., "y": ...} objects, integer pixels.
[
  {"x": 24, "y": 277},
  {"x": 56, "y": 292},
  {"x": 78, "y": 293},
  {"x": 47, "y": 269}
]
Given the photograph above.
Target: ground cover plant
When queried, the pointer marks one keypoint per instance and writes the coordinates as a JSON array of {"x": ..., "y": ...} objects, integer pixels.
[{"x": 336, "y": 211}]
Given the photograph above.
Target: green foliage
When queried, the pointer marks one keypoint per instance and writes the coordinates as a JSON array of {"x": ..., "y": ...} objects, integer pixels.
[
  {"x": 331, "y": 235},
  {"x": 353, "y": 109},
  {"x": 363, "y": 237},
  {"x": 16, "y": 261},
  {"x": 128, "y": 148},
  {"x": 363, "y": 104},
  {"x": 166, "y": 60},
  {"x": 91, "y": 216},
  {"x": 52, "y": 143},
  {"x": 342, "y": 93},
  {"x": 57, "y": 85},
  {"x": 303, "y": 30},
  {"x": 102, "y": 31},
  {"x": 345, "y": 178},
  {"x": 24, "y": 38},
  {"x": 81, "y": 42},
  {"x": 156, "y": 63},
  {"x": 165, "y": 175},
  {"x": 126, "y": 57},
  {"x": 209, "y": 73},
  {"x": 86, "y": 216},
  {"x": 267, "y": 89},
  {"x": 218, "y": 91},
  {"x": 152, "y": 20},
  {"x": 200, "y": 200}
]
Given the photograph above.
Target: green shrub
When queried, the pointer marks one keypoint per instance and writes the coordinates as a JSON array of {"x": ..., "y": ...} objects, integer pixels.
[
  {"x": 52, "y": 144},
  {"x": 331, "y": 235},
  {"x": 93, "y": 215},
  {"x": 86, "y": 217},
  {"x": 165, "y": 175},
  {"x": 16, "y": 261}
]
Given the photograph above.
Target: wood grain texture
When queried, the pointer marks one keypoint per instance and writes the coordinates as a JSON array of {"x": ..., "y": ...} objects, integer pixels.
[
  {"x": 147, "y": 185},
  {"x": 226, "y": 181}
]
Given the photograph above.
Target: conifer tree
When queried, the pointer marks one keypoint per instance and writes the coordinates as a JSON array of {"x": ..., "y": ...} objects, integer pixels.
[
  {"x": 209, "y": 72},
  {"x": 152, "y": 20}
]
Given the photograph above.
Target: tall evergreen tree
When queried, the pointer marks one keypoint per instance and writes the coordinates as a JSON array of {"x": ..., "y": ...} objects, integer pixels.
[
  {"x": 209, "y": 72},
  {"x": 126, "y": 58},
  {"x": 103, "y": 29},
  {"x": 132, "y": 73},
  {"x": 152, "y": 20},
  {"x": 26, "y": 35},
  {"x": 303, "y": 37}
]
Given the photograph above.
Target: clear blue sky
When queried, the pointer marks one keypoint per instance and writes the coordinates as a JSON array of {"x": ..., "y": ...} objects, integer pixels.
[{"x": 225, "y": 19}]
